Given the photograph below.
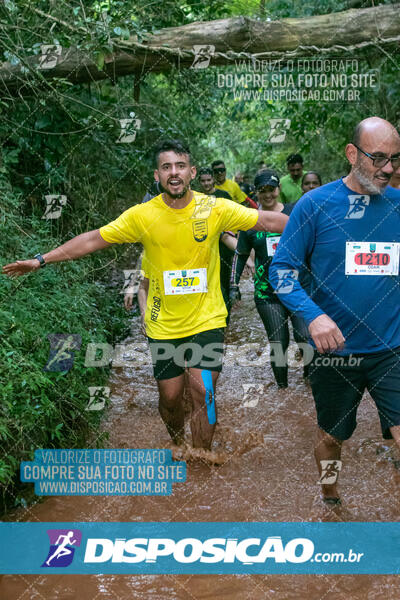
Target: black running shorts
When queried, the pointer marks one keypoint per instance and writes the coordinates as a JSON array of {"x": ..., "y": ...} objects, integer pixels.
[
  {"x": 338, "y": 383},
  {"x": 202, "y": 350}
]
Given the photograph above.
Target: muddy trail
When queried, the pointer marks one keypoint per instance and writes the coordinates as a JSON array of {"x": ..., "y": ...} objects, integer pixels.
[{"x": 270, "y": 475}]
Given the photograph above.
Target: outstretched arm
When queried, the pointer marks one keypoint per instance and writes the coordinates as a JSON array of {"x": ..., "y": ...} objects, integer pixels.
[
  {"x": 83, "y": 244},
  {"x": 269, "y": 220}
]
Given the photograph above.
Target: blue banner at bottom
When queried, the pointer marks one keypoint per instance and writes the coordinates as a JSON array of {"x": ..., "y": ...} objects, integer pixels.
[{"x": 200, "y": 548}]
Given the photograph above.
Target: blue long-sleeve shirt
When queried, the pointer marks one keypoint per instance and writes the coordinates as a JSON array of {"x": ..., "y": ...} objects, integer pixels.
[{"x": 366, "y": 308}]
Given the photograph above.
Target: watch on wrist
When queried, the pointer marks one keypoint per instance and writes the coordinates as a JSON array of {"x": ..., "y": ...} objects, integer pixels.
[{"x": 40, "y": 258}]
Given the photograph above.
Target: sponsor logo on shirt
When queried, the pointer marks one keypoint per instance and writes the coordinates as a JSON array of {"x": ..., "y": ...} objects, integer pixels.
[
  {"x": 155, "y": 309},
  {"x": 200, "y": 230},
  {"x": 203, "y": 207},
  {"x": 286, "y": 281},
  {"x": 357, "y": 206}
]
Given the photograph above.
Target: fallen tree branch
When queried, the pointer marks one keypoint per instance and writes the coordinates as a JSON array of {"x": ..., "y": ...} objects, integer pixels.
[{"x": 236, "y": 38}]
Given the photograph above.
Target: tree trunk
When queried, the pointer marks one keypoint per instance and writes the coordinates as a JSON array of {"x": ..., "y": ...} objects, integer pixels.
[{"x": 234, "y": 38}]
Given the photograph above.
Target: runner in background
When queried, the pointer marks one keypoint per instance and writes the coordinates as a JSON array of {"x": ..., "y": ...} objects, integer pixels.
[
  {"x": 291, "y": 183},
  {"x": 222, "y": 183},
  {"x": 246, "y": 186},
  {"x": 238, "y": 178},
  {"x": 130, "y": 293},
  {"x": 155, "y": 190},
  {"x": 227, "y": 240},
  {"x": 207, "y": 184},
  {"x": 348, "y": 231},
  {"x": 310, "y": 181},
  {"x": 273, "y": 313}
]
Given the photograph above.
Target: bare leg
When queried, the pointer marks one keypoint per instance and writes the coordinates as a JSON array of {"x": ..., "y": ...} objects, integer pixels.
[
  {"x": 327, "y": 448},
  {"x": 187, "y": 400},
  {"x": 202, "y": 431},
  {"x": 170, "y": 406},
  {"x": 395, "y": 431}
]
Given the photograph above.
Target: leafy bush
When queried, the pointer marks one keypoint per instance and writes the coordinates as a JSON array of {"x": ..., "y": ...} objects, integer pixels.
[{"x": 40, "y": 409}]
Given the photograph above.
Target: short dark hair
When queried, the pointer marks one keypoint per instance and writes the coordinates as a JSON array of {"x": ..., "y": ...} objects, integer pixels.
[
  {"x": 205, "y": 171},
  {"x": 168, "y": 145},
  {"x": 292, "y": 159},
  {"x": 217, "y": 162},
  {"x": 311, "y": 173}
]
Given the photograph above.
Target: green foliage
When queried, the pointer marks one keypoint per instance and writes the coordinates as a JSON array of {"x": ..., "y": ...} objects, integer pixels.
[{"x": 40, "y": 409}]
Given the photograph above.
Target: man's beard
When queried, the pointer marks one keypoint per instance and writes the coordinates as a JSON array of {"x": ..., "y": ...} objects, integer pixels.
[
  {"x": 366, "y": 182},
  {"x": 177, "y": 196}
]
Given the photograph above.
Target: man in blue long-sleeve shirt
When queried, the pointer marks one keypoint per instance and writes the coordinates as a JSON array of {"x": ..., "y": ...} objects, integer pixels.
[{"x": 348, "y": 233}]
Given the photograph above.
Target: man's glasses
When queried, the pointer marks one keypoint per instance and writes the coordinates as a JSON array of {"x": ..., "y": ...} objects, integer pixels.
[
  {"x": 219, "y": 170},
  {"x": 382, "y": 161}
]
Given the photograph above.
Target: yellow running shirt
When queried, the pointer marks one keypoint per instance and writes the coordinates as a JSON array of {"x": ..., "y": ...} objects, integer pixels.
[
  {"x": 233, "y": 190},
  {"x": 181, "y": 259}
]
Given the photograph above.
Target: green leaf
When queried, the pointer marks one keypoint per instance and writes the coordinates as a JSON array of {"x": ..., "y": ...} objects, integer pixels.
[
  {"x": 43, "y": 122},
  {"x": 100, "y": 60}
]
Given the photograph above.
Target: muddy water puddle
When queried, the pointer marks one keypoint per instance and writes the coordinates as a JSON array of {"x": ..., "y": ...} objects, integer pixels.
[{"x": 270, "y": 475}]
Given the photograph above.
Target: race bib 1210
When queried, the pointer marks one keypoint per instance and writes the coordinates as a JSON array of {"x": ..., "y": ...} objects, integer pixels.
[{"x": 372, "y": 258}]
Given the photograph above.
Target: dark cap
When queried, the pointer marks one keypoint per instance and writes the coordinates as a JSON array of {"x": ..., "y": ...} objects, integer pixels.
[{"x": 266, "y": 177}]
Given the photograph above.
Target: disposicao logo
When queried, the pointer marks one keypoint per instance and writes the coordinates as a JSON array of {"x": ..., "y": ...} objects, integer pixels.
[
  {"x": 62, "y": 547},
  {"x": 190, "y": 550}
]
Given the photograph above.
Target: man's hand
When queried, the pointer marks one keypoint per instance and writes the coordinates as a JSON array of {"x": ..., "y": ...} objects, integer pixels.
[
  {"x": 20, "y": 267},
  {"x": 143, "y": 326},
  {"x": 249, "y": 267},
  {"x": 128, "y": 301},
  {"x": 326, "y": 334},
  {"x": 234, "y": 295}
]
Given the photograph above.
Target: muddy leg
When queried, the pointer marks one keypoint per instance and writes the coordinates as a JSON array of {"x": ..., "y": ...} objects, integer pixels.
[
  {"x": 202, "y": 431},
  {"x": 170, "y": 406},
  {"x": 327, "y": 448},
  {"x": 395, "y": 431}
]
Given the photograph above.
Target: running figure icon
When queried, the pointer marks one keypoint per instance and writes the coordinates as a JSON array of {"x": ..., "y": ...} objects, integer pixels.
[
  {"x": 63, "y": 543},
  {"x": 62, "y": 549}
]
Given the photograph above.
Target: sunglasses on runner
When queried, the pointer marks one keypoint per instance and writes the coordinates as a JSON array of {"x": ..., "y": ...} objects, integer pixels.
[
  {"x": 266, "y": 189},
  {"x": 382, "y": 161},
  {"x": 219, "y": 170}
]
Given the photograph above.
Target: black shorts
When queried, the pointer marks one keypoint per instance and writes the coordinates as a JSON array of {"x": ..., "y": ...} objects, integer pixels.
[
  {"x": 202, "y": 350},
  {"x": 338, "y": 388}
]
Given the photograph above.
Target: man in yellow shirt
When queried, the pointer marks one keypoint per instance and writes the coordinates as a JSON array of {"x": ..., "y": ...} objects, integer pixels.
[
  {"x": 185, "y": 313},
  {"x": 233, "y": 189}
]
